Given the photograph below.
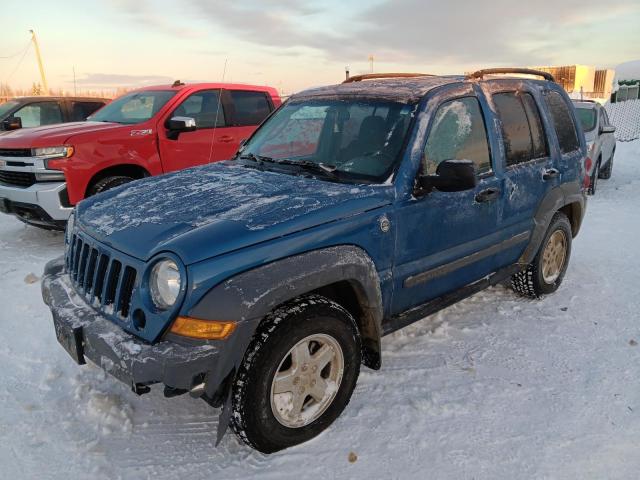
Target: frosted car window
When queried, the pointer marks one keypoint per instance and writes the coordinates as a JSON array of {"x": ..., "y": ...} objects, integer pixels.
[
  {"x": 457, "y": 133},
  {"x": 516, "y": 135},
  {"x": 563, "y": 122},
  {"x": 251, "y": 108},
  {"x": 538, "y": 137},
  {"x": 41, "y": 113}
]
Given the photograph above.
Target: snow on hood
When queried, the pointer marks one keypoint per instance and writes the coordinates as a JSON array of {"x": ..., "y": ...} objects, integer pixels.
[
  {"x": 206, "y": 211},
  {"x": 51, "y": 135}
]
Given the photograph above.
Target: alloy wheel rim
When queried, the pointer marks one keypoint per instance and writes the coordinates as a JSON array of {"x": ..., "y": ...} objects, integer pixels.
[
  {"x": 553, "y": 257},
  {"x": 307, "y": 380}
]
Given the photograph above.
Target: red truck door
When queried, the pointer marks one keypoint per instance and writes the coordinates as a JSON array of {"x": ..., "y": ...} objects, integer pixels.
[{"x": 213, "y": 140}]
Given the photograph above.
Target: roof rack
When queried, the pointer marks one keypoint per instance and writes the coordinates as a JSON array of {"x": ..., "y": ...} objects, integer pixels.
[
  {"x": 372, "y": 76},
  {"x": 524, "y": 71}
]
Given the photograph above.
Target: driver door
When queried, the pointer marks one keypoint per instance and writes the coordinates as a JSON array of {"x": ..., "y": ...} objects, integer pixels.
[
  {"x": 208, "y": 143},
  {"x": 446, "y": 240}
]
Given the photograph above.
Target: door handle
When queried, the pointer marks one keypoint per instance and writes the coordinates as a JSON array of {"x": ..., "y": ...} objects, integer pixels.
[
  {"x": 488, "y": 195},
  {"x": 226, "y": 138},
  {"x": 550, "y": 173}
]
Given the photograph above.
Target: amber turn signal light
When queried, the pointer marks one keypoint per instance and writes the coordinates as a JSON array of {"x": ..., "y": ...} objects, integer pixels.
[{"x": 203, "y": 329}]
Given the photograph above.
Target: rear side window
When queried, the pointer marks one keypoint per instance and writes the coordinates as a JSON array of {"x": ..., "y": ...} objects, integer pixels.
[
  {"x": 522, "y": 130},
  {"x": 251, "y": 108},
  {"x": 41, "y": 113},
  {"x": 81, "y": 110},
  {"x": 458, "y": 133},
  {"x": 563, "y": 122}
]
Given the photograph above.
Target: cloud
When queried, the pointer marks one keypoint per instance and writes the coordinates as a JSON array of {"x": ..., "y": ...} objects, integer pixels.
[
  {"x": 111, "y": 80},
  {"x": 142, "y": 12},
  {"x": 424, "y": 31}
]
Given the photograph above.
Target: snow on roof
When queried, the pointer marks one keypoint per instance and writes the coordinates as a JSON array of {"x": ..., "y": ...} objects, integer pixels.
[
  {"x": 405, "y": 90},
  {"x": 628, "y": 71}
]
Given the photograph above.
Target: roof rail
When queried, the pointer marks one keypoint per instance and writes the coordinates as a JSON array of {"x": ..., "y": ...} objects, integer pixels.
[
  {"x": 585, "y": 100},
  {"x": 524, "y": 71},
  {"x": 372, "y": 76}
]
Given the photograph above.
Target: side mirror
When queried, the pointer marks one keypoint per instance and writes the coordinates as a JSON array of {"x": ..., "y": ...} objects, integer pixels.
[
  {"x": 607, "y": 129},
  {"x": 12, "y": 123},
  {"x": 178, "y": 125},
  {"x": 451, "y": 176}
]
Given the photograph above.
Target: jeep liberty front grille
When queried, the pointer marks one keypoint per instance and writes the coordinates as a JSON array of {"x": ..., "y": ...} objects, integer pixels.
[{"x": 106, "y": 282}]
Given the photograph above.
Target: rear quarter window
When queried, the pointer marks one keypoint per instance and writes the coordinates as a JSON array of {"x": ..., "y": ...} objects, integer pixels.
[{"x": 562, "y": 122}]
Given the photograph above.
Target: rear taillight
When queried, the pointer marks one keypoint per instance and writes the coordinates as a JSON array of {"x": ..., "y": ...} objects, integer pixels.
[{"x": 587, "y": 166}]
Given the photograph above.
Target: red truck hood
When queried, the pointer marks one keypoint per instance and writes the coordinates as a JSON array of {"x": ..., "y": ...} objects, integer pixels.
[{"x": 52, "y": 135}]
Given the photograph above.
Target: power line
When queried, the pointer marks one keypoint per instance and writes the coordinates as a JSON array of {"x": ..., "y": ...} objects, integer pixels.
[
  {"x": 19, "y": 63},
  {"x": 16, "y": 54}
]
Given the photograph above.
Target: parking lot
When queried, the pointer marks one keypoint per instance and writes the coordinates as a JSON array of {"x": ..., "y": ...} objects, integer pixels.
[{"x": 494, "y": 387}]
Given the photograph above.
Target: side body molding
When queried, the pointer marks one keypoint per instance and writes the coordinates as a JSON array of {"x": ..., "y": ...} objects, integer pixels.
[{"x": 251, "y": 295}]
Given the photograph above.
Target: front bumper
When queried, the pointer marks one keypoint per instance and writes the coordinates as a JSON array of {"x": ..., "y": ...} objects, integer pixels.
[
  {"x": 85, "y": 334},
  {"x": 41, "y": 203}
]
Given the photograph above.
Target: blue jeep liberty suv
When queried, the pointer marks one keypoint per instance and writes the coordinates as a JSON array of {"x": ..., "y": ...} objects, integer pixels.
[{"x": 261, "y": 284}]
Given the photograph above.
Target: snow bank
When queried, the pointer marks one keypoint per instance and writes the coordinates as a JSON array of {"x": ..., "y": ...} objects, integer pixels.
[
  {"x": 495, "y": 387},
  {"x": 625, "y": 116}
]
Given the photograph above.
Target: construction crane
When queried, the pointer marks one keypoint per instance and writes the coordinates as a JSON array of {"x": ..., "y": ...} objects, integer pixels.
[{"x": 45, "y": 87}]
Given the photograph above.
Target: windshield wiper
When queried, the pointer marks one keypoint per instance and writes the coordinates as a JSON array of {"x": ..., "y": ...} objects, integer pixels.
[{"x": 322, "y": 168}]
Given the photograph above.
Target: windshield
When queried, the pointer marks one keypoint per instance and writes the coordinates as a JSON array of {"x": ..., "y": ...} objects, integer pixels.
[
  {"x": 7, "y": 107},
  {"x": 134, "y": 107},
  {"x": 587, "y": 117},
  {"x": 349, "y": 139}
]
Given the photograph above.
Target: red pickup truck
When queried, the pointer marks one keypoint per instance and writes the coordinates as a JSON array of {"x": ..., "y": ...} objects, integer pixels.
[{"x": 45, "y": 171}]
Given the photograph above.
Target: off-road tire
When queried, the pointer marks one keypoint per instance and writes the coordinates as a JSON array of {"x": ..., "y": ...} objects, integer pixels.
[
  {"x": 253, "y": 420},
  {"x": 530, "y": 281},
  {"x": 605, "y": 173},
  {"x": 108, "y": 183},
  {"x": 595, "y": 175}
]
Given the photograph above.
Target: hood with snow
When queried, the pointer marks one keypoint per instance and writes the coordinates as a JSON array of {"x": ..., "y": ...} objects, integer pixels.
[{"x": 207, "y": 211}]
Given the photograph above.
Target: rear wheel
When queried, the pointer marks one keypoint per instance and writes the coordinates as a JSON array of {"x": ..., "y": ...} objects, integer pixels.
[
  {"x": 298, "y": 374},
  {"x": 546, "y": 272},
  {"x": 108, "y": 183},
  {"x": 605, "y": 173}
]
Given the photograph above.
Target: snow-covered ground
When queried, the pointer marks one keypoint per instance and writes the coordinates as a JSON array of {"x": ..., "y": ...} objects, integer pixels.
[{"x": 494, "y": 387}]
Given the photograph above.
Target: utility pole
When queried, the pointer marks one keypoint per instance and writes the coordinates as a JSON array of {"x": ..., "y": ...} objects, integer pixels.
[
  {"x": 75, "y": 93},
  {"x": 371, "y": 63},
  {"x": 37, "y": 49},
  {"x": 346, "y": 72}
]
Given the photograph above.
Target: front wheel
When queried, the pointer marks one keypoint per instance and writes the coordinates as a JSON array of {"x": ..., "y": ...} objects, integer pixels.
[
  {"x": 108, "y": 183},
  {"x": 605, "y": 173},
  {"x": 297, "y": 375},
  {"x": 545, "y": 273}
]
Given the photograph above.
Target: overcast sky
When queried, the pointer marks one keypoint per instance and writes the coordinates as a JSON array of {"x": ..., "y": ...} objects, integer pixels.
[{"x": 295, "y": 44}]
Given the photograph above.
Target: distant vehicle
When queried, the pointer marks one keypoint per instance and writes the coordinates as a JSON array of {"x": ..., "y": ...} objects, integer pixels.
[
  {"x": 262, "y": 284},
  {"x": 27, "y": 112},
  {"x": 601, "y": 143},
  {"x": 45, "y": 171}
]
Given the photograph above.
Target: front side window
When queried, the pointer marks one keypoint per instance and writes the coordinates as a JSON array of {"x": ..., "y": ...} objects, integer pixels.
[
  {"x": 251, "y": 108},
  {"x": 134, "y": 107},
  {"x": 563, "y": 122},
  {"x": 349, "y": 139},
  {"x": 41, "y": 113},
  {"x": 587, "y": 118},
  {"x": 204, "y": 107},
  {"x": 457, "y": 133}
]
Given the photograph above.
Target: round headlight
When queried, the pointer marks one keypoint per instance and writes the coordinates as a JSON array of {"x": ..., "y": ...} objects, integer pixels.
[
  {"x": 165, "y": 283},
  {"x": 69, "y": 231}
]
